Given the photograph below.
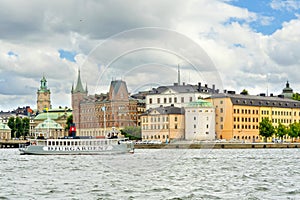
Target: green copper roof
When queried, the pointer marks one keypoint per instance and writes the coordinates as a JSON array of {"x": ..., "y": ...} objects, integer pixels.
[
  {"x": 52, "y": 115},
  {"x": 48, "y": 124},
  {"x": 4, "y": 126},
  {"x": 199, "y": 103}
]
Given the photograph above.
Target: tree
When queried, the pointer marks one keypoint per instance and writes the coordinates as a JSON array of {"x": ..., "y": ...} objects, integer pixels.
[
  {"x": 69, "y": 122},
  {"x": 266, "y": 128},
  {"x": 294, "y": 130},
  {"x": 296, "y": 96},
  {"x": 26, "y": 126},
  {"x": 281, "y": 131},
  {"x": 132, "y": 132},
  {"x": 244, "y": 92},
  {"x": 11, "y": 124},
  {"x": 19, "y": 127}
]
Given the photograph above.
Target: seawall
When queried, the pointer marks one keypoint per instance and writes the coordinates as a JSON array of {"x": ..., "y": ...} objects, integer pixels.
[{"x": 217, "y": 146}]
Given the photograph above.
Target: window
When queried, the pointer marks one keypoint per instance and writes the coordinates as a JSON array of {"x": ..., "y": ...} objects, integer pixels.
[
  {"x": 158, "y": 100},
  {"x": 191, "y": 99},
  {"x": 165, "y": 100},
  {"x": 176, "y": 126},
  {"x": 221, "y": 102},
  {"x": 194, "y": 125},
  {"x": 175, "y": 99},
  {"x": 182, "y": 101},
  {"x": 221, "y": 110},
  {"x": 175, "y": 119},
  {"x": 150, "y": 100},
  {"x": 170, "y": 100},
  {"x": 194, "y": 118}
]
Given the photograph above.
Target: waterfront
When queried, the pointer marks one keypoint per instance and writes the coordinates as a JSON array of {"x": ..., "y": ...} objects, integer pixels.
[{"x": 153, "y": 174}]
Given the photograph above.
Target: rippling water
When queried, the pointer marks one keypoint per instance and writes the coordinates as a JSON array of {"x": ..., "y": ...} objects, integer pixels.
[{"x": 153, "y": 174}]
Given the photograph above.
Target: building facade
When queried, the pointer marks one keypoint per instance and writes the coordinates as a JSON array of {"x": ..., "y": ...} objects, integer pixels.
[
  {"x": 177, "y": 95},
  {"x": 238, "y": 116},
  {"x": 200, "y": 121},
  {"x": 5, "y": 132},
  {"x": 163, "y": 123},
  {"x": 43, "y": 96},
  {"x": 99, "y": 114}
]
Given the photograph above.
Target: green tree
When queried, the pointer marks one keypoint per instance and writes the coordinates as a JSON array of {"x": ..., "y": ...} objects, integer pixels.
[
  {"x": 69, "y": 122},
  {"x": 294, "y": 130},
  {"x": 296, "y": 96},
  {"x": 266, "y": 128},
  {"x": 26, "y": 126},
  {"x": 11, "y": 124},
  {"x": 19, "y": 127},
  {"x": 281, "y": 131},
  {"x": 244, "y": 92},
  {"x": 132, "y": 132}
]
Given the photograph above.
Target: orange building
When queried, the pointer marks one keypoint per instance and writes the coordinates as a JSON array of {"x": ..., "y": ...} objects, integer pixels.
[{"x": 238, "y": 116}]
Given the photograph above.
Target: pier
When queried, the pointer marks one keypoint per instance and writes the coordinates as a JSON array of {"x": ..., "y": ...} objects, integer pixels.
[
  {"x": 11, "y": 143},
  {"x": 212, "y": 145}
]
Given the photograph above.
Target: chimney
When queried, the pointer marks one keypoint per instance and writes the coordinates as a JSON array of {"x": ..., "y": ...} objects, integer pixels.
[
  {"x": 213, "y": 88},
  {"x": 199, "y": 86}
]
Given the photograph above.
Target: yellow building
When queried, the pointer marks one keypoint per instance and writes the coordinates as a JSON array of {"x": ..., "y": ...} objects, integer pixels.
[
  {"x": 163, "y": 123},
  {"x": 4, "y": 132},
  {"x": 238, "y": 116}
]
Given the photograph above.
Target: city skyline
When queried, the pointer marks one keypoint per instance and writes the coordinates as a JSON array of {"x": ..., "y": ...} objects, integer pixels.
[{"x": 251, "y": 45}]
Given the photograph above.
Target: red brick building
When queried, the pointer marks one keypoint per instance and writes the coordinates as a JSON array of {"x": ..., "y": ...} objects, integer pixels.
[{"x": 99, "y": 114}]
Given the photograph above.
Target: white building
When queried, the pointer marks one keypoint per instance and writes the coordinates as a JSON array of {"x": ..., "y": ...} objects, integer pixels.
[
  {"x": 199, "y": 121},
  {"x": 177, "y": 95}
]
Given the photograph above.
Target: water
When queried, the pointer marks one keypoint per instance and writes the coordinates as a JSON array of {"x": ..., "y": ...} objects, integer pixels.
[{"x": 153, "y": 174}]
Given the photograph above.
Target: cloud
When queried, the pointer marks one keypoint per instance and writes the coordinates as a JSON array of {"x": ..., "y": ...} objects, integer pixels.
[{"x": 56, "y": 38}]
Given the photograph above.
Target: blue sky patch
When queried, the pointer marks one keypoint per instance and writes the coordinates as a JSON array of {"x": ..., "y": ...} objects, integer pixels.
[
  {"x": 68, "y": 55},
  {"x": 271, "y": 13},
  {"x": 12, "y": 54}
]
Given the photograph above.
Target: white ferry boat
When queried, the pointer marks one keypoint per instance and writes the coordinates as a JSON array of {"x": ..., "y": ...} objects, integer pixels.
[{"x": 70, "y": 146}]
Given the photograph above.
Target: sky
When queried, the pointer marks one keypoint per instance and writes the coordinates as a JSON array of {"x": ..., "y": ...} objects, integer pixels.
[{"x": 232, "y": 44}]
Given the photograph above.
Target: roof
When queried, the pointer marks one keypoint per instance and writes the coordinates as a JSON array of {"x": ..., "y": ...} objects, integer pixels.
[
  {"x": 253, "y": 100},
  {"x": 183, "y": 89},
  {"x": 48, "y": 124},
  {"x": 199, "y": 103},
  {"x": 165, "y": 110},
  {"x": 52, "y": 115},
  {"x": 79, "y": 87}
]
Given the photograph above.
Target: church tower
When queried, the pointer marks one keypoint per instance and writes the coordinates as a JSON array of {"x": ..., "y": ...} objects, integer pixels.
[
  {"x": 78, "y": 94},
  {"x": 43, "y": 96}
]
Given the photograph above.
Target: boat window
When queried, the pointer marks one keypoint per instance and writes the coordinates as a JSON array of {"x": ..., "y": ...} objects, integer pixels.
[
  {"x": 57, "y": 143},
  {"x": 65, "y": 143},
  {"x": 75, "y": 143},
  {"x": 53, "y": 143},
  {"x": 68, "y": 143},
  {"x": 60, "y": 143}
]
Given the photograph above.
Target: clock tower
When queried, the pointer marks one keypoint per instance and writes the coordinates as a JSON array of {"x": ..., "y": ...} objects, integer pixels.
[{"x": 43, "y": 96}]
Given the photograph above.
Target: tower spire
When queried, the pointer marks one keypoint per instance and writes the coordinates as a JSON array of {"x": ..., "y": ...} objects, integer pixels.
[{"x": 79, "y": 87}]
